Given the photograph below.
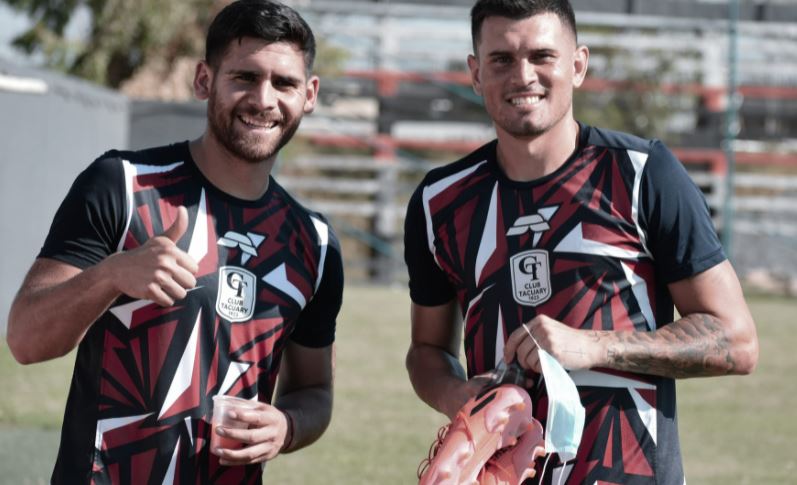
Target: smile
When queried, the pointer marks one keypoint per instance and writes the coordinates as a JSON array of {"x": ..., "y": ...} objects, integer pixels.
[
  {"x": 257, "y": 123},
  {"x": 525, "y": 100}
]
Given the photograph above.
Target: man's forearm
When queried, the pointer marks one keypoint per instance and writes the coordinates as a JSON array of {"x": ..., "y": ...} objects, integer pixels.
[
  {"x": 697, "y": 345},
  {"x": 310, "y": 409},
  {"x": 438, "y": 378},
  {"x": 47, "y": 321}
]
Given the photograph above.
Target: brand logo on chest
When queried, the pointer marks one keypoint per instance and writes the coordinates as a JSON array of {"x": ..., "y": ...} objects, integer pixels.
[
  {"x": 248, "y": 243},
  {"x": 531, "y": 277},
  {"x": 235, "y": 298}
]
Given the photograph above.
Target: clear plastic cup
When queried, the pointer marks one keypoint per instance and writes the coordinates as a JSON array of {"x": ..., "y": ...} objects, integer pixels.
[{"x": 221, "y": 407}]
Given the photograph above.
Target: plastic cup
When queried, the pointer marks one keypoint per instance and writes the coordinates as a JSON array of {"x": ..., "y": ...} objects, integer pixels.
[{"x": 222, "y": 405}]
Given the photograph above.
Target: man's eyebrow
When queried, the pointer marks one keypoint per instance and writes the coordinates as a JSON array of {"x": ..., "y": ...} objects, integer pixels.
[
  {"x": 537, "y": 51},
  {"x": 289, "y": 79},
  {"x": 235, "y": 72},
  {"x": 499, "y": 53}
]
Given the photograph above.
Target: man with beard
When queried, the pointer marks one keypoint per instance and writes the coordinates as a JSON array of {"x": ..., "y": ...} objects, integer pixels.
[
  {"x": 186, "y": 272},
  {"x": 575, "y": 240}
]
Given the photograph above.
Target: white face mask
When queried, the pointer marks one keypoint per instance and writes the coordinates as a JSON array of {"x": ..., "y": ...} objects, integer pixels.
[{"x": 565, "y": 422}]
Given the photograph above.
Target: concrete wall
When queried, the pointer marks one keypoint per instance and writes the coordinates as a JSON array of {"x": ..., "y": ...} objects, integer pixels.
[
  {"x": 51, "y": 127},
  {"x": 155, "y": 123}
]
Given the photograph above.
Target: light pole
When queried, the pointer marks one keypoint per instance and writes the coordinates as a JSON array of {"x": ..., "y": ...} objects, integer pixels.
[{"x": 731, "y": 126}]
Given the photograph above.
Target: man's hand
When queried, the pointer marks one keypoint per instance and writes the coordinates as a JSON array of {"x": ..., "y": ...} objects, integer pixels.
[
  {"x": 158, "y": 270},
  {"x": 574, "y": 349},
  {"x": 266, "y": 437},
  {"x": 457, "y": 398}
]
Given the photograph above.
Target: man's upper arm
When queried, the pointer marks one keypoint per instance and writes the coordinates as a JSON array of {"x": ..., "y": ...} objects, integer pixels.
[
  {"x": 45, "y": 273},
  {"x": 437, "y": 326},
  {"x": 717, "y": 292},
  {"x": 90, "y": 222},
  {"x": 304, "y": 367},
  {"x": 41, "y": 322}
]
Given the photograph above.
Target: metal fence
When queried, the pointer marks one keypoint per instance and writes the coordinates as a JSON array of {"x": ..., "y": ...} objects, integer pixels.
[{"x": 366, "y": 199}]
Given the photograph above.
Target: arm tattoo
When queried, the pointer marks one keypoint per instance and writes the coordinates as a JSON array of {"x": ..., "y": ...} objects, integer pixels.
[{"x": 693, "y": 346}]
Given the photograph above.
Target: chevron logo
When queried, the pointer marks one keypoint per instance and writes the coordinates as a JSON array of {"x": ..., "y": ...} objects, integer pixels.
[
  {"x": 537, "y": 223},
  {"x": 248, "y": 243}
]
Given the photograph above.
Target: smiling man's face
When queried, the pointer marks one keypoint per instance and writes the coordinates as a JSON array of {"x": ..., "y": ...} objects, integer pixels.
[
  {"x": 257, "y": 96},
  {"x": 526, "y": 71}
]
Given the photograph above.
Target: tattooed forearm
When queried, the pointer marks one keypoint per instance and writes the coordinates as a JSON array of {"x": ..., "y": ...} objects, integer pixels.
[{"x": 693, "y": 346}]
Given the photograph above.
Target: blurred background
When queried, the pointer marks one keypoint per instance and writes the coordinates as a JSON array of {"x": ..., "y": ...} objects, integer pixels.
[{"x": 715, "y": 79}]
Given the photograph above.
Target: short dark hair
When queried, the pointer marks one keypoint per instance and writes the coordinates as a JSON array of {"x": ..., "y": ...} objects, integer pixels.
[
  {"x": 262, "y": 19},
  {"x": 518, "y": 10}
]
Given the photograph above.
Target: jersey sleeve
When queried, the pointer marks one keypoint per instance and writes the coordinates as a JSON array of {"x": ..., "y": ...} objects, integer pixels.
[
  {"x": 429, "y": 285},
  {"x": 316, "y": 324},
  {"x": 90, "y": 222},
  {"x": 675, "y": 215}
]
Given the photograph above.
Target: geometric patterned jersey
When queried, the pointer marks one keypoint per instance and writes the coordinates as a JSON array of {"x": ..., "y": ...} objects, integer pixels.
[
  {"x": 592, "y": 245},
  {"x": 141, "y": 396}
]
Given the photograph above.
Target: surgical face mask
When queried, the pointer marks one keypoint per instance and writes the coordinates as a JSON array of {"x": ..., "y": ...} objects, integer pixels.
[{"x": 565, "y": 422}]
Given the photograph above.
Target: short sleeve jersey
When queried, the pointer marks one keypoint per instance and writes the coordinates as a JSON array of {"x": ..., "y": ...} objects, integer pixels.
[
  {"x": 592, "y": 245},
  {"x": 270, "y": 271}
]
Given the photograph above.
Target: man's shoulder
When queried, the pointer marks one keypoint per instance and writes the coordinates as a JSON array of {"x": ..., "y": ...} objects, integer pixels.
[
  {"x": 160, "y": 155},
  {"x": 613, "y": 139},
  {"x": 469, "y": 162}
]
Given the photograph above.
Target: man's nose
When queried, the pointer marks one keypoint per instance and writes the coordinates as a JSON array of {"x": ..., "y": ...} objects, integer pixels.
[
  {"x": 265, "y": 96},
  {"x": 527, "y": 72}
]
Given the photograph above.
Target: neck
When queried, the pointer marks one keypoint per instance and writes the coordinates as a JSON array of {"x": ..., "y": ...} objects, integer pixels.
[
  {"x": 239, "y": 178},
  {"x": 527, "y": 159}
]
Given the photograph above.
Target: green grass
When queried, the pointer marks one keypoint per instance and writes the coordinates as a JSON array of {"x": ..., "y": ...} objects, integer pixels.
[
  {"x": 733, "y": 430},
  {"x": 742, "y": 430}
]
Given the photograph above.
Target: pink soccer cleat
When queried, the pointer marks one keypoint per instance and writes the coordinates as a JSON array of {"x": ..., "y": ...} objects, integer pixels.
[
  {"x": 512, "y": 465},
  {"x": 489, "y": 422}
]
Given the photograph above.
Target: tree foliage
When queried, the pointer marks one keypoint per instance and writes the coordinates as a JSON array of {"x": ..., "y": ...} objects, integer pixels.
[{"x": 122, "y": 34}]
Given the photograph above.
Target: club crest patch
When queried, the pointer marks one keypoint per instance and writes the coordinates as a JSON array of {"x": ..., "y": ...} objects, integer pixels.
[
  {"x": 531, "y": 277},
  {"x": 235, "y": 298}
]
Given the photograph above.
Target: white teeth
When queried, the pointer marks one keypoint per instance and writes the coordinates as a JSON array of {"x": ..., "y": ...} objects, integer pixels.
[
  {"x": 258, "y": 124},
  {"x": 525, "y": 100}
]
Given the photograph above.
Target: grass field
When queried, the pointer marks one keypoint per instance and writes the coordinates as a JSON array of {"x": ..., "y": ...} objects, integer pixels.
[{"x": 738, "y": 430}]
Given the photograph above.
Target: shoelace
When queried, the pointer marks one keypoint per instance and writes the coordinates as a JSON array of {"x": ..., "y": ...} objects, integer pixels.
[
  {"x": 493, "y": 461},
  {"x": 438, "y": 442}
]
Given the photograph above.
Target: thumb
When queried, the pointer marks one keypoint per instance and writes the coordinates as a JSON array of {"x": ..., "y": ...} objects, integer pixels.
[{"x": 179, "y": 226}]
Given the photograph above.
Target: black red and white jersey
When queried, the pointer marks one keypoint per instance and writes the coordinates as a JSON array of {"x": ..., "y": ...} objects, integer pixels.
[
  {"x": 270, "y": 271},
  {"x": 592, "y": 245}
]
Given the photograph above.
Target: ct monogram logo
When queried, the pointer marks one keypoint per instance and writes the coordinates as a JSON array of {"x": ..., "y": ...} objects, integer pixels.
[
  {"x": 531, "y": 277},
  {"x": 235, "y": 298}
]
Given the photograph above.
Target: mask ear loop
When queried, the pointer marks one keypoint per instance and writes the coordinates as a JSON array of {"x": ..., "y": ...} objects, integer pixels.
[
  {"x": 530, "y": 335},
  {"x": 545, "y": 465}
]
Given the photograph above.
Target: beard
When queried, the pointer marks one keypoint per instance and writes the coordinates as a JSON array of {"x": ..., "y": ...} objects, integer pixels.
[
  {"x": 534, "y": 126},
  {"x": 250, "y": 147},
  {"x": 524, "y": 130}
]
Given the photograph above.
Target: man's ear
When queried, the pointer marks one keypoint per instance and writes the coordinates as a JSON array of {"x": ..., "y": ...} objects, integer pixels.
[
  {"x": 311, "y": 94},
  {"x": 473, "y": 65},
  {"x": 203, "y": 79},
  {"x": 580, "y": 64}
]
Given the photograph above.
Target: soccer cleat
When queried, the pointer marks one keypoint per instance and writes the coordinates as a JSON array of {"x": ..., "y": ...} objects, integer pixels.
[
  {"x": 512, "y": 465},
  {"x": 492, "y": 420}
]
